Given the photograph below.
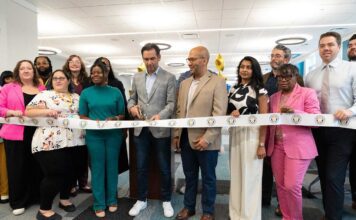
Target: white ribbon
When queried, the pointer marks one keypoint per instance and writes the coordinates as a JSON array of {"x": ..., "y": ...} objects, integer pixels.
[{"x": 317, "y": 120}]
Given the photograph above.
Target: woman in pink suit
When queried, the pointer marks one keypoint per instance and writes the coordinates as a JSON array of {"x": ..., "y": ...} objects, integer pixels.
[
  {"x": 22, "y": 169},
  {"x": 291, "y": 148}
]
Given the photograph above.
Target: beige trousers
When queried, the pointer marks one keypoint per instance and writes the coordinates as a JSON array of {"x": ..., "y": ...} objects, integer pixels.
[{"x": 246, "y": 174}]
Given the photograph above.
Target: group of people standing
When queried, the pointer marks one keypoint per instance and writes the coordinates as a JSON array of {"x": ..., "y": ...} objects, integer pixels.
[
  {"x": 330, "y": 89},
  {"x": 44, "y": 161}
]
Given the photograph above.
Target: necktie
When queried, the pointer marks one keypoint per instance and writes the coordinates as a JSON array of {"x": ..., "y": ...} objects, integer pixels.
[{"x": 325, "y": 91}]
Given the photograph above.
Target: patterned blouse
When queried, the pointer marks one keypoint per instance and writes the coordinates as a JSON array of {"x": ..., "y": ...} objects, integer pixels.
[
  {"x": 243, "y": 98},
  {"x": 53, "y": 138}
]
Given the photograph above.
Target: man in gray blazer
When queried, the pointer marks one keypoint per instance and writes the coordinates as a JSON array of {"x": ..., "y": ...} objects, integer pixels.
[{"x": 153, "y": 98}]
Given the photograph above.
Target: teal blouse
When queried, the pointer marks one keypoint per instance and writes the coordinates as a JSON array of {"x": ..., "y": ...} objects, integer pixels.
[{"x": 99, "y": 103}]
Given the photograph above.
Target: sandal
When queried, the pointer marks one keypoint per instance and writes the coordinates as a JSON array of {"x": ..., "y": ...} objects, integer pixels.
[
  {"x": 100, "y": 213},
  {"x": 113, "y": 208}
]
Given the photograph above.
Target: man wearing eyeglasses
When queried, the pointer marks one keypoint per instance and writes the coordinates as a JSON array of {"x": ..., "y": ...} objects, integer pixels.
[
  {"x": 153, "y": 98},
  {"x": 351, "y": 53},
  {"x": 201, "y": 95},
  {"x": 335, "y": 83},
  {"x": 280, "y": 55}
]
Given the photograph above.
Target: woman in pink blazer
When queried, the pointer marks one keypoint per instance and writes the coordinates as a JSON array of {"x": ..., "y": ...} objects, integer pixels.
[
  {"x": 22, "y": 169},
  {"x": 291, "y": 148}
]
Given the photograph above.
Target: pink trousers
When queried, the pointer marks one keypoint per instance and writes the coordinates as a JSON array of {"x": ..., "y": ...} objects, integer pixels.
[{"x": 289, "y": 174}]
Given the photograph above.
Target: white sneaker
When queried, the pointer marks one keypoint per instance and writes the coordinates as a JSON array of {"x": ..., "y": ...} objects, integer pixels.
[
  {"x": 18, "y": 211},
  {"x": 167, "y": 209},
  {"x": 139, "y": 205},
  {"x": 4, "y": 197}
]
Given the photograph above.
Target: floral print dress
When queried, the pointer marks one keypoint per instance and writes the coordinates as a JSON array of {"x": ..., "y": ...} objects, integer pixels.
[{"x": 53, "y": 138}]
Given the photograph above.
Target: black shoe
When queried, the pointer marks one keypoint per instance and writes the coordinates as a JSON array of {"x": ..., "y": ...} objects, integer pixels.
[
  {"x": 85, "y": 190},
  {"x": 40, "y": 216},
  {"x": 3, "y": 201},
  {"x": 67, "y": 208}
]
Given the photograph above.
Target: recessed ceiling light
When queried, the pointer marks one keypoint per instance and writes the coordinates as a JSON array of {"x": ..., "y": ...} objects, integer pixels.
[
  {"x": 175, "y": 64},
  {"x": 163, "y": 46},
  {"x": 48, "y": 51},
  {"x": 159, "y": 43},
  {"x": 190, "y": 36},
  {"x": 291, "y": 40},
  {"x": 340, "y": 30}
]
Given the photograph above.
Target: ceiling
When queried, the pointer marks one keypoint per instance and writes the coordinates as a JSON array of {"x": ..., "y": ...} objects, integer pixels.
[{"x": 117, "y": 29}]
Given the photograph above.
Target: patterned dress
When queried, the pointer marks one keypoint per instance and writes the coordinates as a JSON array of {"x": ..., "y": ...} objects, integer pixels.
[
  {"x": 245, "y": 167},
  {"x": 52, "y": 138}
]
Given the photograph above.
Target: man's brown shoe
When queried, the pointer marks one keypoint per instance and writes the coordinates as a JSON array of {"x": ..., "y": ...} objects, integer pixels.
[
  {"x": 353, "y": 205},
  {"x": 207, "y": 217},
  {"x": 184, "y": 214}
]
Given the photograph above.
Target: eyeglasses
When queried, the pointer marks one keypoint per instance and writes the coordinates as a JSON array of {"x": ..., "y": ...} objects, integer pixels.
[
  {"x": 278, "y": 56},
  {"x": 74, "y": 62},
  {"x": 192, "y": 59},
  {"x": 285, "y": 77},
  {"x": 58, "y": 78}
]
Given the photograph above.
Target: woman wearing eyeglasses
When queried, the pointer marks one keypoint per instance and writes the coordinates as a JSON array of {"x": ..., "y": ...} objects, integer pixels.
[
  {"x": 291, "y": 148},
  {"x": 247, "y": 149},
  {"x": 74, "y": 66},
  {"x": 52, "y": 146}
]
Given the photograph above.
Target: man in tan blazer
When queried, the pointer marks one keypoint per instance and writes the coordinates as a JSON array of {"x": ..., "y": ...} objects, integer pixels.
[{"x": 201, "y": 95}]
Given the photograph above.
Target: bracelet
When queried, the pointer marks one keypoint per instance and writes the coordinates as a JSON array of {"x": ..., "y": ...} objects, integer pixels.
[{"x": 261, "y": 144}]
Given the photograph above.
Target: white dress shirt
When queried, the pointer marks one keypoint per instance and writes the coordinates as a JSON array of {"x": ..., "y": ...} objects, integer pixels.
[
  {"x": 342, "y": 84},
  {"x": 150, "y": 80}
]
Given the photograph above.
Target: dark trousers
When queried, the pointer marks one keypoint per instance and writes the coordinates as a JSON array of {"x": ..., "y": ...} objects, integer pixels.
[
  {"x": 146, "y": 143},
  {"x": 24, "y": 173},
  {"x": 267, "y": 181},
  {"x": 334, "y": 149},
  {"x": 193, "y": 160},
  {"x": 58, "y": 174},
  {"x": 81, "y": 164},
  {"x": 352, "y": 174}
]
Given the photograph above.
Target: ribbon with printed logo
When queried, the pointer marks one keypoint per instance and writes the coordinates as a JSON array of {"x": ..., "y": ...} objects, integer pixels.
[{"x": 314, "y": 120}]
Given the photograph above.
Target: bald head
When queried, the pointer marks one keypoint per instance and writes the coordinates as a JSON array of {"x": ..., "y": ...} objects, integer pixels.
[
  {"x": 202, "y": 52},
  {"x": 198, "y": 61}
]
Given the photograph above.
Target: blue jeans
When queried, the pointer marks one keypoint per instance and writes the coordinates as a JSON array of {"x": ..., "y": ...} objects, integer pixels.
[
  {"x": 145, "y": 143},
  {"x": 192, "y": 160}
]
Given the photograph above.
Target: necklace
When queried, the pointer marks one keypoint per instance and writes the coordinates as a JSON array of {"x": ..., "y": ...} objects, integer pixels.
[{"x": 66, "y": 98}]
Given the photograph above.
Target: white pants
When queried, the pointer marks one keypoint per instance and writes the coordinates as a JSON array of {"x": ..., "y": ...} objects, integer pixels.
[{"x": 246, "y": 174}]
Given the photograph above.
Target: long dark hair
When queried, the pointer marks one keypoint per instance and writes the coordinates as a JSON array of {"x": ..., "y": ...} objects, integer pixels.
[{"x": 256, "y": 81}]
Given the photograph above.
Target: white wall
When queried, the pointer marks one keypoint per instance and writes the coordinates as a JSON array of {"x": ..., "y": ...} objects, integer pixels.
[{"x": 18, "y": 32}]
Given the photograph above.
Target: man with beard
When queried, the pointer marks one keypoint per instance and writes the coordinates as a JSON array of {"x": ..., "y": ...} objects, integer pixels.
[
  {"x": 351, "y": 53},
  {"x": 280, "y": 55},
  {"x": 44, "y": 68}
]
